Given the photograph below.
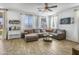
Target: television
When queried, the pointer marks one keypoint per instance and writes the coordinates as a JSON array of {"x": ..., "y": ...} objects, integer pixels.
[{"x": 65, "y": 20}]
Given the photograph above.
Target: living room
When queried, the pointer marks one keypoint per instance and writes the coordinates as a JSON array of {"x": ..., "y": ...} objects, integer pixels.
[{"x": 39, "y": 28}]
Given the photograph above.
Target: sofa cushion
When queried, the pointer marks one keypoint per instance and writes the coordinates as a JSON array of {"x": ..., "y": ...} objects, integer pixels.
[
  {"x": 54, "y": 30},
  {"x": 54, "y": 34},
  {"x": 28, "y": 31},
  {"x": 49, "y": 30},
  {"x": 37, "y": 31},
  {"x": 42, "y": 30},
  {"x": 59, "y": 32}
]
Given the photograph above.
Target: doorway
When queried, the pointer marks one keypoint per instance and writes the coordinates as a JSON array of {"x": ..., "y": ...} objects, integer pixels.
[{"x": 1, "y": 25}]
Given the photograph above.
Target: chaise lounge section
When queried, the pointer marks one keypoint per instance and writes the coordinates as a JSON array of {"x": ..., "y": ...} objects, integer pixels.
[{"x": 31, "y": 37}]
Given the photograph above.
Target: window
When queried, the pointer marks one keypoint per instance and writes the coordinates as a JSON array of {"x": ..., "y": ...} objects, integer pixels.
[
  {"x": 53, "y": 22},
  {"x": 43, "y": 23},
  {"x": 1, "y": 22},
  {"x": 1, "y": 25},
  {"x": 30, "y": 21},
  {"x": 27, "y": 21}
]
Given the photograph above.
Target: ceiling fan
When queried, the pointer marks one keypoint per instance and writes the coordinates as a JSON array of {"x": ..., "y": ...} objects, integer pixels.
[{"x": 47, "y": 8}]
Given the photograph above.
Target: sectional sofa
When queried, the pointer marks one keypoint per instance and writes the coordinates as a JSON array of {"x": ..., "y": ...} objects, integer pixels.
[{"x": 58, "y": 34}]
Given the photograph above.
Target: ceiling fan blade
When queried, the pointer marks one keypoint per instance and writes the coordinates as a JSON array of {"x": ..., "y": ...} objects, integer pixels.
[
  {"x": 50, "y": 10},
  {"x": 53, "y": 6}
]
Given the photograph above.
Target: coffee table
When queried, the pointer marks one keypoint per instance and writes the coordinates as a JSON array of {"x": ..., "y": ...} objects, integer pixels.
[{"x": 47, "y": 37}]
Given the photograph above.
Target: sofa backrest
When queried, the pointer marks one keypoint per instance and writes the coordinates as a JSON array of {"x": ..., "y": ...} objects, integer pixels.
[
  {"x": 36, "y": 30},
  {"x": 29, "y": 31},
  {"x": 61, "y": 30},
  {"x": 49, "y": 30}
]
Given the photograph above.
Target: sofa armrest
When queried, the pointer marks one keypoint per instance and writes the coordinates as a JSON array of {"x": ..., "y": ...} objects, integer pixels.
[{"x": 61, "y": 36}]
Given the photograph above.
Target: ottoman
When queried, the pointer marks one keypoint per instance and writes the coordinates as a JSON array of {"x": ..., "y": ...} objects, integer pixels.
[{"x": 31, "y": 37}]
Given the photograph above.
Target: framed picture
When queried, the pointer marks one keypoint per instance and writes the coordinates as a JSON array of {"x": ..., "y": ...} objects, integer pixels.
[
  {"x": 67, "y": 20},
  {"x": 14, "y": 22}
]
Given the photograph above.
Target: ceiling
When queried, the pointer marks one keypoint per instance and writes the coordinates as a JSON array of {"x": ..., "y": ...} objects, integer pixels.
[{"x": 32, "y": 7}]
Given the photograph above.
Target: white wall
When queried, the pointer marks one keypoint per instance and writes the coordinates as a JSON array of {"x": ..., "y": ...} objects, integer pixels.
[
  {"x": 77, "y": 24},
  {"x": 71, "y": 29},
  {"x": 13, "y": 15}
]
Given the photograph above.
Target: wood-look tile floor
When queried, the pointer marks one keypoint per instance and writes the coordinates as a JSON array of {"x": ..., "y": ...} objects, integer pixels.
[{"x": 20, "y": 47}]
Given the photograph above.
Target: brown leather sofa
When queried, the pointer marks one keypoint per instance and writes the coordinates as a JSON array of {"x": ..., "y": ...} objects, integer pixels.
[{"x": 57, "y": 33}]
